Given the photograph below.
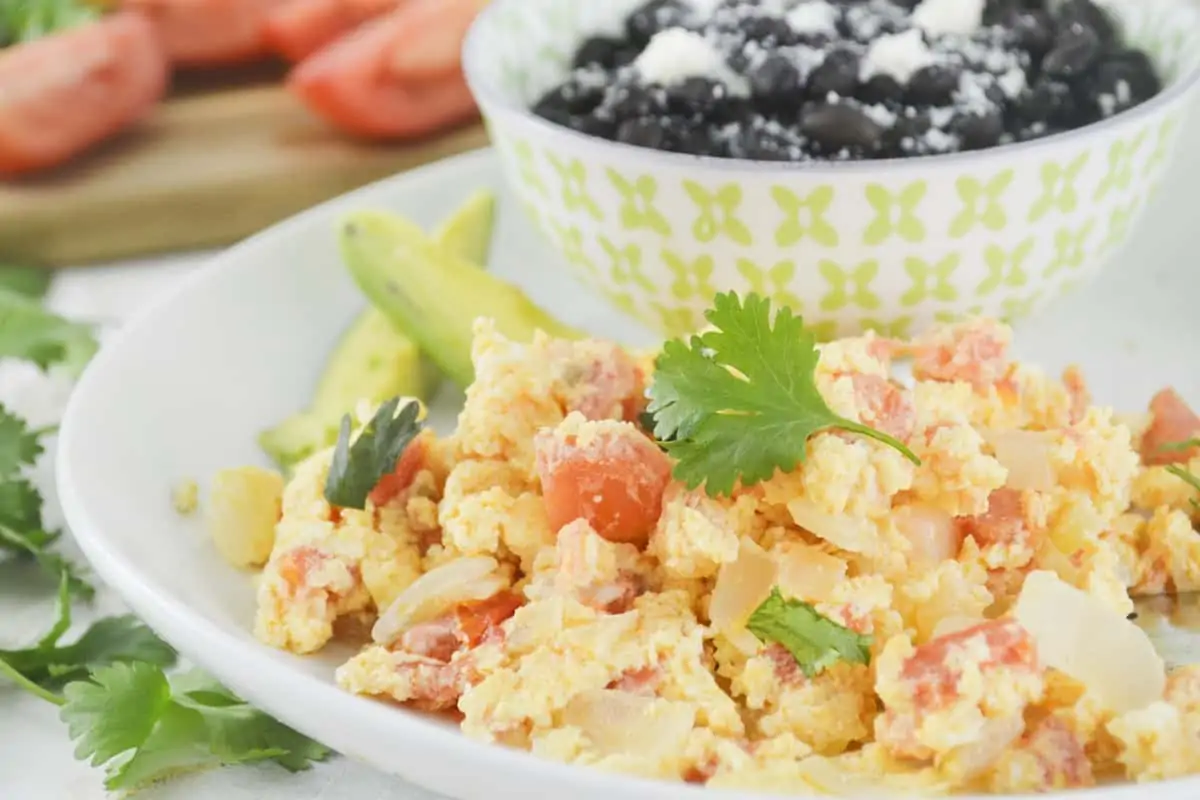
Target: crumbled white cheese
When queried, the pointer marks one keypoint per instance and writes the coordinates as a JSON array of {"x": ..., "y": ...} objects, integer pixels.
[
  {"x": 940, "y": 141},
  {"x": 703, "y": 8},
  {"x": 962, "y": 17},
  {"x": 1013, "y": 82},
  {"x": 814, "y": 17},
  {"x": 898, "y": 55},
  {"x": 1124, "y": 92},
  {"x": 675, "y": 54},
  {"x": 881, "y": 115}
]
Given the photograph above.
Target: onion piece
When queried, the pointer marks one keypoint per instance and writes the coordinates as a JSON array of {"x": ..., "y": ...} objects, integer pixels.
[
  {"x": 1026, "y": 456},
  {"x": 742, "y": 586},
  {"x": 809, "y": 572},
  {"x": 994, "y": 739},
  {"x": 631, "y": 724},
  {"x": 1080, "y": 636},
  {"x": 847, "y": 533},
  {"x": 439, "y": 590},
  {"x": 930, "y": 531}
]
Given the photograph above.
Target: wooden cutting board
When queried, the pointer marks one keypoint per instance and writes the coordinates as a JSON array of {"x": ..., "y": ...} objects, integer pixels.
[{"x": 222, "y": 158}]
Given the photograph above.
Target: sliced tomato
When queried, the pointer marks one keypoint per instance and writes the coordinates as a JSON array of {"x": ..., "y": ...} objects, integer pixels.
[
  {"x": 207, "y": 32},
  {"x": 362, "y": 85},
  {"x": 615, "y": 482},
  {"x": 62, "y": 94},
  {"x": 299, "y": 28}
]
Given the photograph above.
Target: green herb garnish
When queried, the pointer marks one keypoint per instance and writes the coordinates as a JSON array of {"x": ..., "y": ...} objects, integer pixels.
[
  {"x": 358, "y": 467},
  {"x": 741, "y": 401},
  {"x": 814, "y": 640}
]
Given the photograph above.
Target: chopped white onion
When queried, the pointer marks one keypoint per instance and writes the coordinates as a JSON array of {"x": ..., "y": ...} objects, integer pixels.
[
  {"x": 437, "y": 591},
  {"x": 847, "y": 533},
  {"x": 931, "y": 532},
  {"x": 741, "y": 587},
  {"x": 810, "y": 573},
  {"x": 994, "y": 738},
  {"x": 1026, "y": 456},
  {"x": 1082, "y": 637},
  {"x": 625, "y": 723}
]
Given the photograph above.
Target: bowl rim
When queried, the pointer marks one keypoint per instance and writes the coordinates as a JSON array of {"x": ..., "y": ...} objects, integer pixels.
[{"x": 495, "y": 102}]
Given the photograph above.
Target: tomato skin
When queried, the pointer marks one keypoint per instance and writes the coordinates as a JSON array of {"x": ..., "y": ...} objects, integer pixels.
[
  {"x": 411, "y": 461},
  {"x": 1173, "y": 423},
  {"x": 615, "y": 482},
  {"x": 356, "y": 86},
  {"x": 208, "y": 32},
  {"x": 65, "y": 93},
  {"x": 299, "y": 28}
]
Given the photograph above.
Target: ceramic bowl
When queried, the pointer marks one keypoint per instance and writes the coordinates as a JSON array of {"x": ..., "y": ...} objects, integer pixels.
[{"x": 892, "y": 245}]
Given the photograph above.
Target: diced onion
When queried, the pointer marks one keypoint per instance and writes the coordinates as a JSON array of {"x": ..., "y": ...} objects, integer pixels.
[
  {"x": 847, "y": 533},
  {"x": 993, "y": 739},
  {"x": 625, "y": 723},
  {"x": 810, "y": 573},
  {"x": 931, "y": 532},
  {"x": 437, "y": 591},
  {"x": 1026, "y": 456},
  {"x": 1080, "y": 636},
  {"x": 741, "y": 587}
]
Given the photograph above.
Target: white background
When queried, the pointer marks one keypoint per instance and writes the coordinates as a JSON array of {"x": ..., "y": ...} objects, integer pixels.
[{"x": 36, "y": 758}]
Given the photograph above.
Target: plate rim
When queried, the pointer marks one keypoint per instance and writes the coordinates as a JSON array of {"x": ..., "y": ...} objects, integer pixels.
[{"x": 200, "y": 639}]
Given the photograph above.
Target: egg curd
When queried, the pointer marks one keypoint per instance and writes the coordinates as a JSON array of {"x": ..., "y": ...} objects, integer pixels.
[{"x": 540, "y": 573}]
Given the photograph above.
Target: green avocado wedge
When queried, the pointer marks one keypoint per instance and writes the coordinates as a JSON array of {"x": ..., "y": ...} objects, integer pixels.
[
  {"x": 434, "y": 295},
  {"x": 374, "y": 359}
]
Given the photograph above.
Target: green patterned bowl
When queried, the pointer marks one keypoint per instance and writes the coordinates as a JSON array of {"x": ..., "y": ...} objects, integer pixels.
[{"x": 891, "y": 245}]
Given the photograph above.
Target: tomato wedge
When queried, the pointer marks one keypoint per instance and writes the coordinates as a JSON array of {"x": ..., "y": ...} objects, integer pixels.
[
  {"x": 64, "y": 93},
  {"x": 399, "y": 76},
  {"x": 208, "y": 32},
  {"x": 299, "y": 28}
]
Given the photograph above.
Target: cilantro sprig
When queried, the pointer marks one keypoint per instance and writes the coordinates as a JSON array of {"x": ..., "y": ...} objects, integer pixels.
[
  {"x": 814, "y": 640},
  {"x": 358, "y": 467},
  {"x": 740, "y": 401},
  {"x": 26, "y": 20},
  {"x": 1179, "y": 472},
  {"x": 31, "y": 332}
]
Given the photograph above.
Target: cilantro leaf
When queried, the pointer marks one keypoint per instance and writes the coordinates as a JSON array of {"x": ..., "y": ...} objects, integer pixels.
[
  {"x": 741, "y": 401},
  {"x": 32, "y": 282},
  {"x": 30, "y": 332},
  {"x": 19, "y": 446},
  {"x": 815, "y": 641},
  {"x": 25, "y": 20},
  {"x": 22, "y": 533},
  {"x": 49, "y": 664},
  {"x": 357, "y": 468},
  {"x": 141, "y": 727}
]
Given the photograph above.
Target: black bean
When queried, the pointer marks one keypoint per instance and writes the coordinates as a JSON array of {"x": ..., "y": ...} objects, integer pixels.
[
  {"x": 1032, "y": 31},
  {"x": 932, "y": 86},
  {"x": 643, "y": 132},
  {"x": 1088, "y": 15},
  {"x": 881, "y": 89},
  {"x": 631, "y": 101},
  {"x": 655, "y": 16},
  {"x": 838, "y": 74},
  {"x": 838, "y": 125},
  {"x": 599, "y": 50},
  {"x": 769, "y": 29},
  {"x": 1050, "y": 102},
  {"x": 593, "y": 125},
  {"x": 776, "y": 77},
  {"x": 979, "y": 131},
  {"x": 1075, "y": 50},
  {"x": 1135, "y": 69}
]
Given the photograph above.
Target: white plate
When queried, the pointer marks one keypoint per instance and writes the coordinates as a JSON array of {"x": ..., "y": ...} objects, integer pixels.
[{"x": 187, "y": 386}]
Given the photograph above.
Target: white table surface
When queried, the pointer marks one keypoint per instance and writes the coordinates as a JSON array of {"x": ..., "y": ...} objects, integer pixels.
[{"x": 36, "y": 759}]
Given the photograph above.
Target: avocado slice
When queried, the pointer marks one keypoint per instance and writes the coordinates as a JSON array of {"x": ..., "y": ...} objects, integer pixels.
[
  {"x": 374, "y": 359},
  {"x": 434, "y": 295}
]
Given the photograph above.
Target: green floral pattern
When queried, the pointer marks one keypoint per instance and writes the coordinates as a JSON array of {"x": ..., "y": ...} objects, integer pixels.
[
  {"x": 895, "y": 213},
  {"x": 893, "y": 247}
]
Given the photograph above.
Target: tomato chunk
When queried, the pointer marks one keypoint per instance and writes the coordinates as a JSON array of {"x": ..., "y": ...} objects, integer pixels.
[
  {"x": 1173, "y": 423},
  {"x": 608, "y": 474},
  {"x": 398, "y": 76},
  {"x": 62, "y": 94},
  {"x": 391, "y": 485},
  {"x": 204, "y": 32},
  {"x": 934, "y": 672},
  {"x": 300, "y": 28}
]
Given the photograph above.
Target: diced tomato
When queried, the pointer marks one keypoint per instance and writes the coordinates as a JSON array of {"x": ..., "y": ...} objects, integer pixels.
[
  {"x": 299, "y": 28},
  {"x": 1060, "y": 755},
  {"x": 1173, "y": 423},
  {"x": 464, "y": 628},
  {"x": 296, "y": 565},
  {"x": 62, "y": 94},
  {"x": 973, "y": 352},
  {"x": 206, "y": 32},
  {"x": 1077, "y": 390},
  {"x": 478, "y": 622},
  {"x": 392, "y": 484},
  {"x": 644, "y": 680},
  {"x": 1003, "y": 524},
  {"x": 398, "y": 76},
  {"x": 934, "y": 669},
  {"x": 885, "y": 406},
  {"x": 614, "y": 481}
]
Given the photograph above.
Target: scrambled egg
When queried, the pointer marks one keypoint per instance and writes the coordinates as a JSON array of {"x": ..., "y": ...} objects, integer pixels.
[{"x": 544, "y": 576}]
